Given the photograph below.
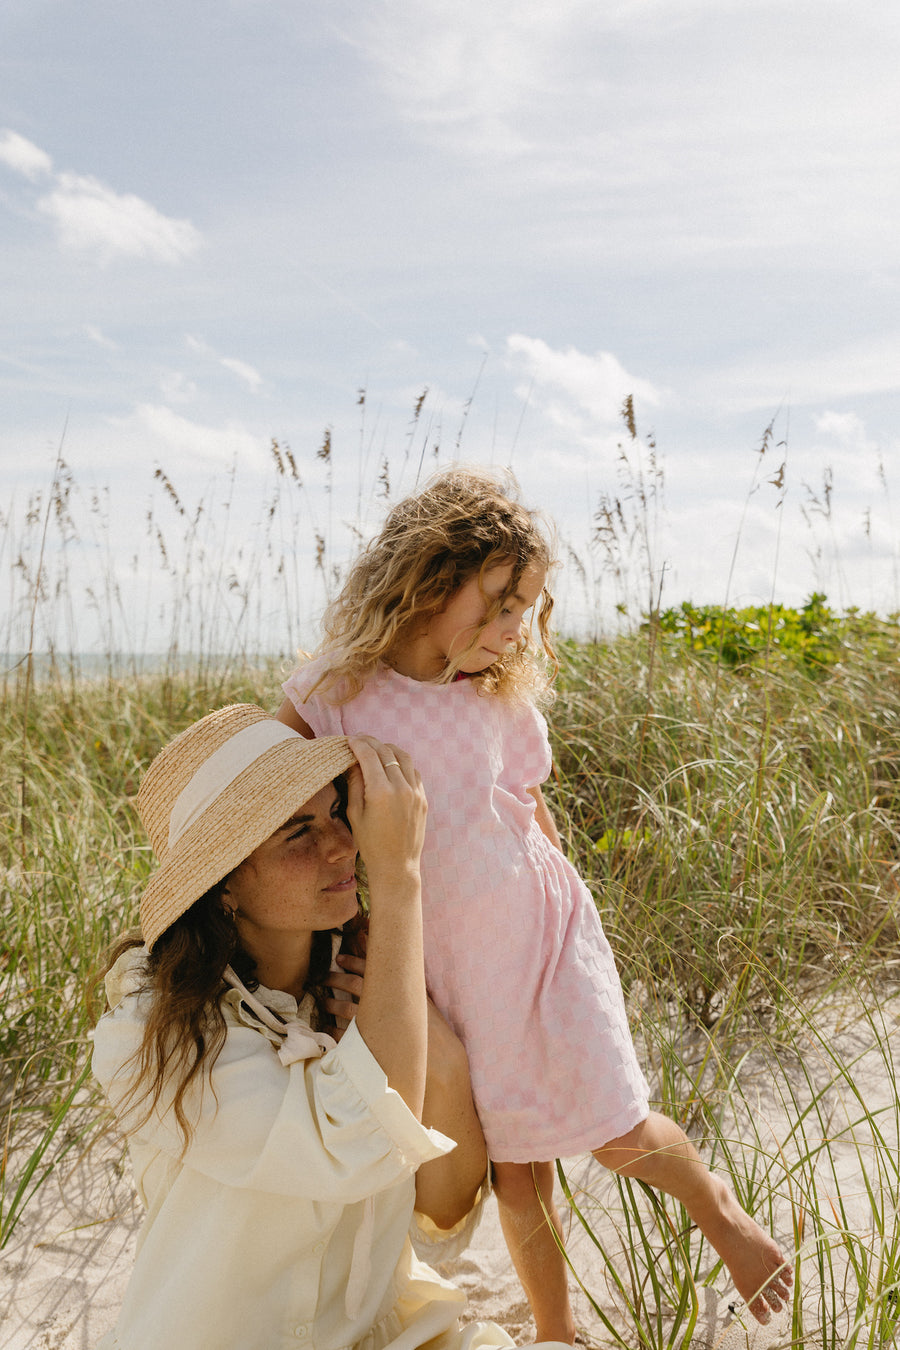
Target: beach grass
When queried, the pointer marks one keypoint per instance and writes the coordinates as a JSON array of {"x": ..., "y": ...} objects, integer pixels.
[
  {"x": 727, "y": 782},
  {"x": 747, "y": 878}
]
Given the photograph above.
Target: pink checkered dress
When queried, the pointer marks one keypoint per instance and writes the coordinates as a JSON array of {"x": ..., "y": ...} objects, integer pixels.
[{"x": 515, "y": 956}]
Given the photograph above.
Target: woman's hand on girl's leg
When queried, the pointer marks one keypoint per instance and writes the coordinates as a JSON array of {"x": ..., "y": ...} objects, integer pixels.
[{"x": 348, "y": 980}]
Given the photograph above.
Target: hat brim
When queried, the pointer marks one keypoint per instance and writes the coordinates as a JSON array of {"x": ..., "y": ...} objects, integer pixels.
[{"x": 243, "y": 816}]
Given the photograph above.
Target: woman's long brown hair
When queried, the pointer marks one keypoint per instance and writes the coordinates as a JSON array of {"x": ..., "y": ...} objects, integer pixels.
[{"x": 184, "y": 978}]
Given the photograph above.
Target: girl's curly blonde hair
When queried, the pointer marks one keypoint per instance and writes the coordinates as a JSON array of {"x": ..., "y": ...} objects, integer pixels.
[{"x": 464, "y": 522}]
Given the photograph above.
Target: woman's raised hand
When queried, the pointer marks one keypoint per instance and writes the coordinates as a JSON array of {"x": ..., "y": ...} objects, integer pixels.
[{"x": 386, "y": 808}]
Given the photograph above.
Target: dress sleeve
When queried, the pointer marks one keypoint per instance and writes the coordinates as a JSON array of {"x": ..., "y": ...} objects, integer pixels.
[
  {"x": 527, "y": 759},
  {"x": 323, "y": 1129},
  {"x": 315, "y": 709}
]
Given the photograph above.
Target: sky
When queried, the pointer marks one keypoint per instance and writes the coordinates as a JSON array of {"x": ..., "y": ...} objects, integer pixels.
[{"x": 227, "y": 223}]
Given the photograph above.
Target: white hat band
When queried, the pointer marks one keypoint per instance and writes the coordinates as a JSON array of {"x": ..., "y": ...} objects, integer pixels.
[{"x": 220, "y": 770}]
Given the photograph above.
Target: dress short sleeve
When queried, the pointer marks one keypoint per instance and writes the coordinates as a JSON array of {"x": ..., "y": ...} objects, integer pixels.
[
  {"x": 314, "y": 707},
  {"x": 527, "y": 759}
]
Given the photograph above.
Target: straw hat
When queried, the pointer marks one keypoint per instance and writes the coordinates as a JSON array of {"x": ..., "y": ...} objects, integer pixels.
[{"x": 215, "y": 793}]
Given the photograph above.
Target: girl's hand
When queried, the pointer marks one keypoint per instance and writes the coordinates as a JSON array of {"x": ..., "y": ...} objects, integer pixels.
[{"x": 386, "y": 808}]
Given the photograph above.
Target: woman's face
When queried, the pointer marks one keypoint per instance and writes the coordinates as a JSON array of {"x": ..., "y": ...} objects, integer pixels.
[{"x": 302, "y": 879}]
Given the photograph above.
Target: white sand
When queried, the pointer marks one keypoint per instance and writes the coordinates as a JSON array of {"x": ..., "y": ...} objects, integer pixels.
[
  {"x": 65, "y": 1268},
  {"x": 64, "y": 1274}
]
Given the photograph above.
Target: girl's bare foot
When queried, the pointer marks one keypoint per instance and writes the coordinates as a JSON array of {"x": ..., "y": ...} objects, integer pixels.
[
  {"x": 658, "y": 1152},
  {"x": 761, "y": 1273}
]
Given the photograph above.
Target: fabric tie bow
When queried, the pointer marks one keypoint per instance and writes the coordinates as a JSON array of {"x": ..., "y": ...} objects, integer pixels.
[{"x": 298, "y": 1040}]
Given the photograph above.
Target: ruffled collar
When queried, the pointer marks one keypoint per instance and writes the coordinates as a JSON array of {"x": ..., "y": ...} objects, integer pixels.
[{"x": 285, "y": 1023}]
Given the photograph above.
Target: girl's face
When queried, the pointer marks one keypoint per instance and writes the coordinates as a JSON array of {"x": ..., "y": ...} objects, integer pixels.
[
  {"x": 450, "y": 632},
  {"x": 301, "y": 880}
]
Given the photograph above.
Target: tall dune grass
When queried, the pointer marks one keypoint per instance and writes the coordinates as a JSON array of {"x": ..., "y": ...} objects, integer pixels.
[{"x": 738, "y": 823}]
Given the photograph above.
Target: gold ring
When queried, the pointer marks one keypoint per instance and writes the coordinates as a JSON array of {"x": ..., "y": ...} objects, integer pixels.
[{"x": 391, "y": 764}]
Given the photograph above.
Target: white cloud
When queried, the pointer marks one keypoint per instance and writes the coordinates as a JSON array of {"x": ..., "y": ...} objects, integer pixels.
[
  {"x": 462, "y": 73},
  {"x": 597, "y": 385},
  {"x": 176, "y": 387},
  {"x": 97, "y": 335},
  {"x": 242, "y": 369},
  {"x": 696, "y": 131},
  {"x": 91, "y": 217},
  {"x": 843, "y": 450},
  {"x": 248, "y": 374},
  {"x": 848, "y": 428},
  {"x": 197, "y": 345},
  {"x": 781, "y": 377},
  {"x": 23, "y": 156},
  {"x": 218, "y": 446}
]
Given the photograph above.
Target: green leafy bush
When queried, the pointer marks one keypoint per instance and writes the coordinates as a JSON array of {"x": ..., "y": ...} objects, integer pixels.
[{"x": 813, "y": 636}]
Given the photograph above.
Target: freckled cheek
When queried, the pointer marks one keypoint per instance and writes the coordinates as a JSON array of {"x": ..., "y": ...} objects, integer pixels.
[
  {"x": 292, "y": 898},
  {"x": 296, "y": 878}
]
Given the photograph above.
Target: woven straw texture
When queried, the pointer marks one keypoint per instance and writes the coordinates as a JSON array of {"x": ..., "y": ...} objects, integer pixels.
[{"x": 242, "y": 816}]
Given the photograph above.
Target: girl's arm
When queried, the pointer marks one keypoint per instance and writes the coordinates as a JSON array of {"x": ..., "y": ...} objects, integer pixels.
[
  {"x": 289, "y": 715},
  {"x": 542, "y": 816}
]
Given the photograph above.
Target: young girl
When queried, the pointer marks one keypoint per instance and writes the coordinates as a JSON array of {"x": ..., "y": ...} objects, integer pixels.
[{"x": 427, "y": 647}]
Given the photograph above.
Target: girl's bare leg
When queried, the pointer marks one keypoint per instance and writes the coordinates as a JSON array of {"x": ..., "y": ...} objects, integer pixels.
[
  {"x": 659, "y": 1153},
  {"x": 535, "y": 1254}
]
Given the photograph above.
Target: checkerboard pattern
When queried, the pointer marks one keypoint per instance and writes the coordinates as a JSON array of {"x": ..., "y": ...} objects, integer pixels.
[{"x": 515, "y": 955}]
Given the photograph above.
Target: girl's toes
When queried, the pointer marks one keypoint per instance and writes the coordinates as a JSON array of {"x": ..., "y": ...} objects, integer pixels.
[{"x": 780, "y": 1288}]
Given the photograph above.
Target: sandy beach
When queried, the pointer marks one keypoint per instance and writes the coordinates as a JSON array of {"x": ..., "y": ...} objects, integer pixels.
[
  {"x": 64, "y": 1270},
  {"x": 63, "y": 1276}
]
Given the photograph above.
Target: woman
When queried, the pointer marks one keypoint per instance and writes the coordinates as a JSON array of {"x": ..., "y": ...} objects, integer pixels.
[{"x": 275, "y": 1151}]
